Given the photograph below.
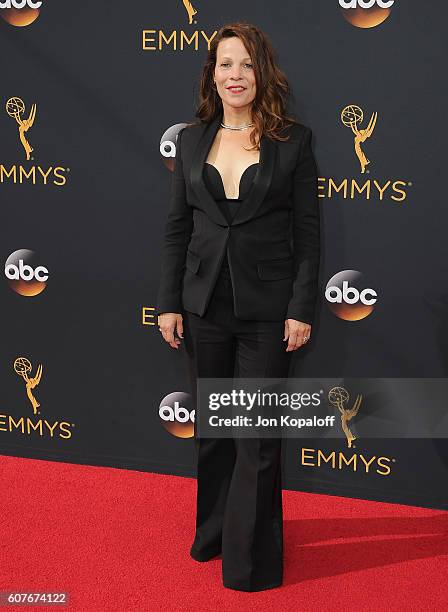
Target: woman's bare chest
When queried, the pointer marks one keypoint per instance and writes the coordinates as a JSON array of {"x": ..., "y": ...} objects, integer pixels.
[{"x": 230, "y": 157}]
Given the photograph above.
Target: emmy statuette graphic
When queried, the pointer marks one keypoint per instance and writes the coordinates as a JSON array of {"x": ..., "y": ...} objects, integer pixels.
[
  {"x": 22, "y": 366},
  {"x": 190, "y": 10},
  {"x": 338, "y": 396},
  {"x": 352, "y": 116},
  {"x": 15, "y": 107}
]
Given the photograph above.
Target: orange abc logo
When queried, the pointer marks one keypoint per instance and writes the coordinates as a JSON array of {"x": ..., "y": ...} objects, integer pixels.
[
  {"x": 25, "y": 275},
  {"x": 20, "y": 12},
  {"x": 176, "y": 414},
  {"x": 167, "y": 145},
  {"x": 366, "y": 13},
  {"x": 348, "y": 297}
]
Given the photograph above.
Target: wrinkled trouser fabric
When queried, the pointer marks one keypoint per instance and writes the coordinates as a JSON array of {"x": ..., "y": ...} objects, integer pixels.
[{"x": 239, "y": 489}]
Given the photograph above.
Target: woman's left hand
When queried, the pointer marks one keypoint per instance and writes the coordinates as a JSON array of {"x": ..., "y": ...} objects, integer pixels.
[{"x": 297, "y": 333}]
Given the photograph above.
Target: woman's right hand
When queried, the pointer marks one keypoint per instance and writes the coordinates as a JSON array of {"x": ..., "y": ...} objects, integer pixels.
[{"x": 168, "y": 323}]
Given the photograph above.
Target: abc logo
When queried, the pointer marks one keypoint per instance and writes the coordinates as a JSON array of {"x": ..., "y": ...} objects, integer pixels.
[
  {"x": 24, "y": 273},
  {"x": 366, "y": 4},
  {"x": 19, "y": 12},
  {"x": 168, "y": 145},
  {"x": 176, "y": 414},
  {"x": 366, "y": 13},
  {"x": 19, "y": 4},
  {"x": 347, "y": 296}
]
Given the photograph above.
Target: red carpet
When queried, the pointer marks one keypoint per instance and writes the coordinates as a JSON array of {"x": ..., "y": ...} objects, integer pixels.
[{"x": 118, "y": 540}]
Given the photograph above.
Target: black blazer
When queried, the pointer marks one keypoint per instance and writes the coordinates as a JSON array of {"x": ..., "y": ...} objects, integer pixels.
[{"x": 273, "y": 241}]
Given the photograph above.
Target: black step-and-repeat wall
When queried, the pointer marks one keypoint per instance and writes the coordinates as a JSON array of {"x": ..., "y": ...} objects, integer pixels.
[{"x": 92, "y": 97}]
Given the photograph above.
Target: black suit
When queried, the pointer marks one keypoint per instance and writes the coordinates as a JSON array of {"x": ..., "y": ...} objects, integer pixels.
[
  {"x": 237, "y": 325},
  {"x": 272, "y": 242}
]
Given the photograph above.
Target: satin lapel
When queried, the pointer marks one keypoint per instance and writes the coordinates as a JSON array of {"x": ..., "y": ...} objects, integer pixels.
[
  {"x": 197, "y": 165},
  {"x": 262, "y": 180}
]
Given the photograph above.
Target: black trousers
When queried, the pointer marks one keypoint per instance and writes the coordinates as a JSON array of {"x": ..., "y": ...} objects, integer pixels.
[{"x": 239, "y": 488}]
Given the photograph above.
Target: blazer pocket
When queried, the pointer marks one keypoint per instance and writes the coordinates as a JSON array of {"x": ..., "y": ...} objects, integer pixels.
[
  {"x": 275, "y": 269},
  {"x": 192, "y": 261}
]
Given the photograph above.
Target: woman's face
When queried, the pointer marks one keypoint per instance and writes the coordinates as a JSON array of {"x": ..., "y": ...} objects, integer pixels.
[{"x": 234, "y": 68}]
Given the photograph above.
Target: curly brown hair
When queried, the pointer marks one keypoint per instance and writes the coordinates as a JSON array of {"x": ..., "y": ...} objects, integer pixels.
[{"x": 273, "y": 90}]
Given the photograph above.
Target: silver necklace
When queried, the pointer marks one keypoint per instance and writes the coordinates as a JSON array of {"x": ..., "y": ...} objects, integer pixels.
[{"x": 240, "y": 127}]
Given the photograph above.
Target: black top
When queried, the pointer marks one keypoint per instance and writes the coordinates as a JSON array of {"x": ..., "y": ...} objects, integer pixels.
[{"x": 229, "y": 206}]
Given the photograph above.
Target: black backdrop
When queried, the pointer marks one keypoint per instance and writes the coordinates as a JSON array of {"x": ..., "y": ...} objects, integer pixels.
[{"x": 109, "y": 84}]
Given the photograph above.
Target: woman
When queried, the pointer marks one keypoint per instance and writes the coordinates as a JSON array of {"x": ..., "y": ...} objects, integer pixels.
[{"x": 239, "y": 278}]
